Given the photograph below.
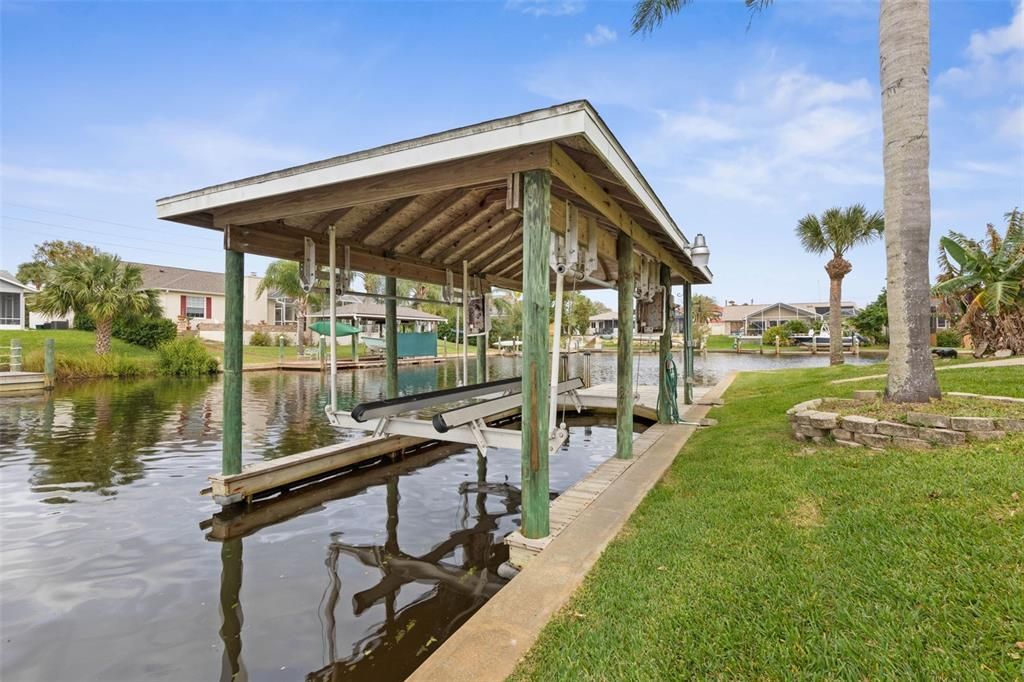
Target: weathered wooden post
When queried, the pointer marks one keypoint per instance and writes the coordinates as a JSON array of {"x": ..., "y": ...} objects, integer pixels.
[
  {"x": 234, "y": 296},
  {"x": 50, "y": 361},
  {"x": 778, "y": 345},
  {"x": 231, "y": 606},
  {"x": 322, "y": 352},
  {"x": 688, "y": 354},
  {"x": 665, "y": 350},
  {"x": 481, "y": 353},
  {"x": 536, "y": 367},
  {"x": 280, "y": 348},
  {"x": 624, "y": 366},
  {"x": 15, "y": 361},
  {"x": 355, "y": 348},
  {"x": 391, "y": 336}
]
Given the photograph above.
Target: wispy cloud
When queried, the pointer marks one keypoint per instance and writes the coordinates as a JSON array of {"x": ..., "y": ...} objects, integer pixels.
[
  {"x": 69, "y": 178},
  {"x": 546, "y": 8},
  {"x": 999, "y": 40},
  {"x": 995, "y": 60},
  {"x": 601, "y": 35}
]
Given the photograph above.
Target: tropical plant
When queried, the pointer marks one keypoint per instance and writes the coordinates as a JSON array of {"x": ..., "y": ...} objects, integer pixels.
[
  {"x": 836, "y": 232},
  {"x": 260, "y": 339},
  {"x": 903, "y": 48},
  {"x": 982, "y": 284},
  {"x": 778, "y": 332},
  {"x": 49, "y": 254},
  {"x": 185, "y": 356},
  {"x": 102, "y": 287},
  {"x": 282, "y": 278},
  {"x": 873, "y": 319}
]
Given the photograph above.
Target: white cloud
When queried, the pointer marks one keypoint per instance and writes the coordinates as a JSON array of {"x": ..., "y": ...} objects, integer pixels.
[
  {"x": 600, "y": 36},
  {"x": 1000, "y": 40},
  {"x": 70, "y": 178},
  {"x": 698, "y": 127},
  {"x": 546, "y": 8},
  {"x": 995, "y": 60},
  {"x": 1012, "y": 125}
]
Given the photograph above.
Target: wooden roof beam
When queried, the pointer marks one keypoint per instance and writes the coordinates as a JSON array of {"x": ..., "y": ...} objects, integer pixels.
[
  {"x": 499, "y": 245},
  {"x": 491, "y": 168},
  {"x": 569, "y": 172},
  {"x": 446, "y": 203},
  {"x": 489, "y": 230},
  {"x": 382, "y": 219},
  {"x": 455, "y": 232}
]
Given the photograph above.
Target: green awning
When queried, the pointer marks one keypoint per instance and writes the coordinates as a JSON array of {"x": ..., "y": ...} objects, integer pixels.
[{"x": 323, "y": 328}]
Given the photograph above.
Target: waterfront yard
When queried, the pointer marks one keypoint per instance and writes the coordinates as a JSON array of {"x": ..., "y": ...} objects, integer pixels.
[{"x": 759, "y": 557}]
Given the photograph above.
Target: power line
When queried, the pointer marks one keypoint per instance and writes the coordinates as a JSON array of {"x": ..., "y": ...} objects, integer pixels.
[
  {"x": 124, "y": 246},
  {"x": 81, "y": 217},
  {"x": 100, "y": 232}
]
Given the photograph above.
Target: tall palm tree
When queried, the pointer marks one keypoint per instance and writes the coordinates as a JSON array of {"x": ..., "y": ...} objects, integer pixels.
[
  {"x": 102, "y": 287},
  {"x": 282, "y": 276},
  {"x": 836, "y": 232},
  {"x": 904, "y": 58}
]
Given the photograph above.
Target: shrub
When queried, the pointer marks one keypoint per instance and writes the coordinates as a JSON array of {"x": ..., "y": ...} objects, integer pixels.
[
  {"x": 148, "y": 332},
  {"x": 186, "y": 356},
  {"x": 948, "y": 338},
  {"x": 90, "y": 366},
  {"x": 796, "y": 327},
  {"x": 260, "y": 339},
  {"x": 778, "y": 332},
  {"x": 287, "y": 339}
]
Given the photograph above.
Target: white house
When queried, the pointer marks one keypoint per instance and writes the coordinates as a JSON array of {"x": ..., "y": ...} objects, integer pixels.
[{"x": 12, "y": 301}]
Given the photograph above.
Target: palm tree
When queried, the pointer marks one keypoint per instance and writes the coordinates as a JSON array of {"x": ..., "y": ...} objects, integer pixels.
[
  {"x": 282, "y": 277},
  {"x": 102, "y": 287},
  {"x": 838, "y": 230},
  {"x": 983, "y": 283},
  {"x": 904, "y": 59}
]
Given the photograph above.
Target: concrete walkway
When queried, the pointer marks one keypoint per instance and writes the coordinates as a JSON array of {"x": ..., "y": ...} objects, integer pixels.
[
  {"x": 492, "y": 642},
  {"x": 1007, "y": 362}
]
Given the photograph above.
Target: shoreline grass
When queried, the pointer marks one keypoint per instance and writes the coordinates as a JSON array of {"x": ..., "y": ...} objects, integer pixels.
[{"x": 758, "y": 557}]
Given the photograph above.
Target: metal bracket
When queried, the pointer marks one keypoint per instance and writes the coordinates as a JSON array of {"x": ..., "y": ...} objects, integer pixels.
[
  {"x": 307, "y": 268},
  {"x": 477, "y": 427}
]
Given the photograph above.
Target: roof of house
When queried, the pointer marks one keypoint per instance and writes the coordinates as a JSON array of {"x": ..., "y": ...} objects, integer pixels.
[
  {"x": 607, "y": 315},
  {"x": 169, "y": 278},
  {"x": 375, "y": 311},
  {"x": 738, "y": 313},
  {"x": 11, "y": 279}
]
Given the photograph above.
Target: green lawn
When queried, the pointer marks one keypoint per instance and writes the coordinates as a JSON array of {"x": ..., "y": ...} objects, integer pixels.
[
  {"x": 69, "y": 341},
  {"x": 758, "y": 557}
]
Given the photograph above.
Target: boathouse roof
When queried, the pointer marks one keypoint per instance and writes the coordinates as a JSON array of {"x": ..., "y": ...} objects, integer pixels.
[{"x": 419, "y": 208}]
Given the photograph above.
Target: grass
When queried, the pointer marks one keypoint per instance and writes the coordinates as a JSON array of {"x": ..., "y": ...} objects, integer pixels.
[
  {"x": 951, "y": 406},
  {"x": 758, "y": 557}
]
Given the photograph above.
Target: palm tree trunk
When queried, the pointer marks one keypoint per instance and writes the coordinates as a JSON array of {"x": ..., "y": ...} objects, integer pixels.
[
  {"x": 104, "y": 330},
  {"x": 835, "y": 321},
  {"x": 903, "y": 47}
]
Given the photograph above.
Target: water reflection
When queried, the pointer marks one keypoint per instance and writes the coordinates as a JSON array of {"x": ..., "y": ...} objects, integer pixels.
[{"x": 459, "y": 574}]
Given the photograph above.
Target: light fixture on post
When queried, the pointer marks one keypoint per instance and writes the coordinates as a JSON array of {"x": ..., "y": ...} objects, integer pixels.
[{"x": 699, "y": 252}]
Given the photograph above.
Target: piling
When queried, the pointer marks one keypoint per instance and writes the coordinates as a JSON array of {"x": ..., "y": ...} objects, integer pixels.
[
  {"x": 391, "y": 336},
  {"x": 624, "y": 359},
  {"x": 234, "y": 296},
  {"x": 280, "y": 348},
  {"x": 665, "y": 349},
  {"x": 15, "y": 361},
  {"x": 49, "y": 361},
  {"x": 536, "y": 370},
  {"x": 688, "y": 355}
]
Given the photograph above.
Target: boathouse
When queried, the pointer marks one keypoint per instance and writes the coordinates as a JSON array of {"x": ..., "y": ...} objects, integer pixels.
[{"x": 532, "y": 203}]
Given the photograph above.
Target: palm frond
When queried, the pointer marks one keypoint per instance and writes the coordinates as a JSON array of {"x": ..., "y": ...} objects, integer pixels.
[{"x": 649, "y": 14}]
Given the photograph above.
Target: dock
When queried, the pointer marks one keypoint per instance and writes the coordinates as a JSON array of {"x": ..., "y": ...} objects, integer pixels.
[{"x": 19, "y": 382}]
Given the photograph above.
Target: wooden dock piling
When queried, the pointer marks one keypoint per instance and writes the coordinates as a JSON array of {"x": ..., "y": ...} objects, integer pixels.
[
  {"x": 665, "y": 348},
  {"x": 391, "y": 336},
  {"x": 536, "y": 369},
  {"x": 234, "y": 297},
  {"x": 624, "y": 353}
]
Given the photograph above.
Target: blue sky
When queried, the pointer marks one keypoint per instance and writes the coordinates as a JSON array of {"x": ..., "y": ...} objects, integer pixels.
[{"x": 741, "y": 129}]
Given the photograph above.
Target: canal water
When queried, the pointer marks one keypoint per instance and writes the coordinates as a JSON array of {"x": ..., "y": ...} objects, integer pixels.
[{"x": 115, "y": 568}]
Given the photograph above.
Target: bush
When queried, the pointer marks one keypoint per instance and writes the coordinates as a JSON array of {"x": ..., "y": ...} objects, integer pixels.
[
  {"x": 260, "y": 339},
  {"x": 90, "y": 366},
  {"x": 948, "y": 338},
  {"x": 186, "y": 356},
  {"x": 778, "y": 332},
  {"x": 148, "y": 332},
  {"x": 284, "y": 337},
  {"x": 796, "y": 327}
]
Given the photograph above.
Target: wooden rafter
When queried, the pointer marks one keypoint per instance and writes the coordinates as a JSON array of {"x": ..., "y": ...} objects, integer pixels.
[
  {"x": 452, "y": 236},
  {"x": 490, "y": 230},
  {"x": 498, "y": 246},
  {"x": 444, "y": 204},
  {"x": 382, "y": 219},
  {"x": 492, "y": 168},
  {"x": 459, "y": 214},
  {"x": 569, "y": 172}
]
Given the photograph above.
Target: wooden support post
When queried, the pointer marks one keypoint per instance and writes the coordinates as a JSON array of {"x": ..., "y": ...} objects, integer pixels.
[
  {"x": 231, "y": 607},
  {"x": 665, "y": 350},
  {"x": 481, "y": 353},
  {"x": 234, "y": 298},
  {"x": 391, "y": 336},
  {"x": 624, "y": 373},
  {"x": 355, "y": 347},
  {"x": 536, "y": 370},
  {"x": 323, "y": 353},
  {"x": 688, "y": 354},
  {"x": 14, "y": 362},
  {"x": 280, "y": 348},
  {"x": 50, "y": 361}
]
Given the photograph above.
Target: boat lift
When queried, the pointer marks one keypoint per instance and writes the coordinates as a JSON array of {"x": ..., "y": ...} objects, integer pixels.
[{"x": 467, "y": 423}]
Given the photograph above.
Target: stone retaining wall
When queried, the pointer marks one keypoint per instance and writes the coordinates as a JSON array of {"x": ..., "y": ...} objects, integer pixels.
[{"x": 922, "y": 430}]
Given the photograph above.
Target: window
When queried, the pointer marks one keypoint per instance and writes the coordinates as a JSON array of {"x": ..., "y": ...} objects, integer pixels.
[
  {"x": 284, "y": 311},
  {"x": 10, "y": 309},
  {"x": 941, "y": 322},
  {"x": 195, "y": 306}
]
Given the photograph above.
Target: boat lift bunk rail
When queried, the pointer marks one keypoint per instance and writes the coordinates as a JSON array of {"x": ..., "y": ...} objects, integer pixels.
[{"x": 464, "y": 424}]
